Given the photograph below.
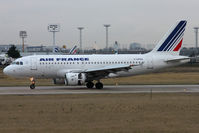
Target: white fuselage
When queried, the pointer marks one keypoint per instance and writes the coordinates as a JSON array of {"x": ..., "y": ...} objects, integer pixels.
[{"x": 55, "y": 66}]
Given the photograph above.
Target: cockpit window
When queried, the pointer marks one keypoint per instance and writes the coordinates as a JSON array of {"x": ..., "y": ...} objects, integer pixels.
[
  {"x": 17, "y": 63},
  {"x": 13, "y": 62}
]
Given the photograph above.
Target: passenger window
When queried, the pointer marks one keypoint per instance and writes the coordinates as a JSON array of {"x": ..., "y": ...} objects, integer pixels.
[{"x": 17, "y": 63}]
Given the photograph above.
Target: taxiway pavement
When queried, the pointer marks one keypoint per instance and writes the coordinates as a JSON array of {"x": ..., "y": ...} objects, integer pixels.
[{"x": 107, "y": 89}]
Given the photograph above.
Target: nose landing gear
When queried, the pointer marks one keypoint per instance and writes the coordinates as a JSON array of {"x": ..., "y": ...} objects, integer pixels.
[{"x": 32, "y": 85}]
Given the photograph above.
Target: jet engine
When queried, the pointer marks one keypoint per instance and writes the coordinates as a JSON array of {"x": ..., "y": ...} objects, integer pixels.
[{"x": 75, "y": 78}]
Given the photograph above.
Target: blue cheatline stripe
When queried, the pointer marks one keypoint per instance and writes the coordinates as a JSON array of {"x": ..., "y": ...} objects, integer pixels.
[
  {"x": 179, "y": 37},
  {"x": 181, "y": 23},
  {"x": 174, "y": 37}
]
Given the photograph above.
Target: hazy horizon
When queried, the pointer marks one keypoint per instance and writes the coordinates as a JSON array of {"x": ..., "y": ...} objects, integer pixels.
[{"x": 139, "y": 21}]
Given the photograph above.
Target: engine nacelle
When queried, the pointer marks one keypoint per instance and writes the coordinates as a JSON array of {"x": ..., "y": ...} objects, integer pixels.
[
  {"x": 59, "y": 81},
  {"x": 75, "y": 78}
]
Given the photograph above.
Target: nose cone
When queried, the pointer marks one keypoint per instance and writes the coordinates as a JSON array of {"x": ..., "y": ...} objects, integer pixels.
[{"x": 7, "y": 71}]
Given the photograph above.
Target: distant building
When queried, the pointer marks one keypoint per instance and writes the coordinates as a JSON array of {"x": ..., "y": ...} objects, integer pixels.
[
  {"x": 5, "y": 48},
  {"x": 134, "y": 46},
  {"x": 191, "y": 52},
  {"x": 150, "y": 46},
  {"x": 35, "y": 48}
]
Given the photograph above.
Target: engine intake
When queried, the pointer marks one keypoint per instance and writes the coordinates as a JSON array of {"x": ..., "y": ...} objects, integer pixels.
[{"x": 75, "y": 78}]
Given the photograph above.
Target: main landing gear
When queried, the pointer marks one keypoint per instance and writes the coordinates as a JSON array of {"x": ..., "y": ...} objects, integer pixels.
[
  {"x": 32, "y": 85},
  {"x": 98, "y": 85},
  {"x": 89, "y": 85}
]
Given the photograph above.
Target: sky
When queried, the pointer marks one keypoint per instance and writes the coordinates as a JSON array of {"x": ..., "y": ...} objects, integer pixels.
[{"x": 143, "y": 21}]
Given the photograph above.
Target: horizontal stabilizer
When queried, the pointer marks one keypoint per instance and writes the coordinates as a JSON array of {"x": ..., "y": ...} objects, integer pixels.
[{"x": 178, "y": 59}]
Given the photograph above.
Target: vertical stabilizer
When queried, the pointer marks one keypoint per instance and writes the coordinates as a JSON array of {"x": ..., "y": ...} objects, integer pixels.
[{"x": 171, "y": 43}]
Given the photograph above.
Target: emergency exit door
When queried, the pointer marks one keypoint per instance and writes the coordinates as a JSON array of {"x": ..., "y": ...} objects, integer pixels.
[{"x": 33, "y": 63}]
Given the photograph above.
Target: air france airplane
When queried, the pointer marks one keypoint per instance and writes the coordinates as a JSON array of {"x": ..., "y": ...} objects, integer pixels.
[{"x": 84, "y": 69}]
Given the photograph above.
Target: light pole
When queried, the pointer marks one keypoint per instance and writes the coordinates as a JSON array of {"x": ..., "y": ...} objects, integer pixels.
[
  {"x": 23, "y": 34},
  {"x": 80, "y": 38},
  {"x": 54, "y": 28},
  {"x": 196, "y": 31},
  {"x": 107, "y": 26}
]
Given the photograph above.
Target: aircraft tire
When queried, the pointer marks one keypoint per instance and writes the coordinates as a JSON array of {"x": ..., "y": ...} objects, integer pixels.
[
  {"x": 89, "y": 85},
  {"x": 99, "y": 85},
  {"x": 32, "y": 86}
]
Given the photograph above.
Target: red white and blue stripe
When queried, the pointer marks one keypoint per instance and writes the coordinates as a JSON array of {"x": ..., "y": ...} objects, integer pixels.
[{"x": 174, "y": 40}]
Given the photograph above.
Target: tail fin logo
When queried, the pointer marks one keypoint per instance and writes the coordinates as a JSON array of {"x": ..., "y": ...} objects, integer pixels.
[{"x": 173, "y": 42}]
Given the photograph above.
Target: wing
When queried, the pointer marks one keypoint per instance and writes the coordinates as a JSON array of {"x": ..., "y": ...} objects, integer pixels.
[{"x": 99, "y": 73}]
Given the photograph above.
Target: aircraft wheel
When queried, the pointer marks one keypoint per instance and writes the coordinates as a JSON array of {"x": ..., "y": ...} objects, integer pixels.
[
  {"x": 32, "y": 86},
  {"x": 99, "y": 85},
  {"x": 89, "y": 85}
]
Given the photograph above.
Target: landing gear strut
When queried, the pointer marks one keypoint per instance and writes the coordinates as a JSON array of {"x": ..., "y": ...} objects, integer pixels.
[
  {"x": 32, "y": 85},
  {"x": 89, "y": 85},
  {"x": 99, "y": 85}
]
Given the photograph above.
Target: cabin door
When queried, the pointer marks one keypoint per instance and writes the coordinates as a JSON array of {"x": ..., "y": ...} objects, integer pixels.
[{"x": 33, "y": 63}]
